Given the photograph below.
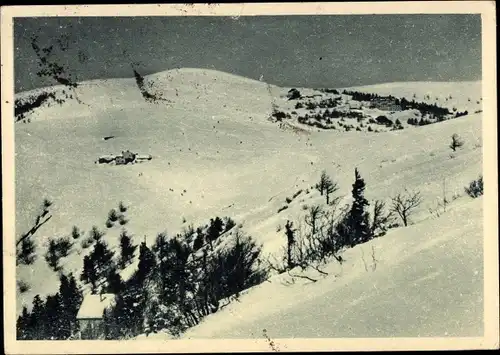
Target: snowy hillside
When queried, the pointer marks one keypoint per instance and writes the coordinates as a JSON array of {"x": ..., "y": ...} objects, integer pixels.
[
  {"x": 379, "y": 108},
  {"x": 215, "y": 152},
  {"x": 421, "y": 281}
]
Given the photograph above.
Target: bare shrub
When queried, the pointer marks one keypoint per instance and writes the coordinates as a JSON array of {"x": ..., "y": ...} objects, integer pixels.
[
  {"x": 456, "y": 142},
  {"x": 312, "y": 218},
  {"x": 404, "y": 204},
  {"x": 382, "y": 220},
  {"x": 475, "y": 188},
  {"x": 307, "y": 249}
]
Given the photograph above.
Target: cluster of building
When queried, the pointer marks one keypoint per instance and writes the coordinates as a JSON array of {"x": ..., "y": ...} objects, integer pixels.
[{"x": 126, "y": 157}]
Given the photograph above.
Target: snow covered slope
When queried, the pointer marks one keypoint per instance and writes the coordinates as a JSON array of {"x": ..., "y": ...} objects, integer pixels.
[
  {"x": 215, "y": 153},
  {"x": 425, "y": 280}
]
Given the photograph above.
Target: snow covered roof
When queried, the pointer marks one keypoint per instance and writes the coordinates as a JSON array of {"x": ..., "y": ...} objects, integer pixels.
[{"x": 93, "y": 306}]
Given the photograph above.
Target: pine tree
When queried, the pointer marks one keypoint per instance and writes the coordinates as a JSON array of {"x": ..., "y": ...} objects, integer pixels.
[
  {"x": 76, "y": 294},
  {"x": 38, "y": 319},
  {"x": 26, "y": 255},
  {"x": 89, "y": 273},
  {"x": 65, "y": 293},
  {"x": 290, "y": 243},
  {"x": 126, "y": 317},
  {"x": 326, "y": 186},
  {"x": 95, "y": 233},
  {"x": 97, "y": 264},
  {"x": 214, "y": 230},
  {"x": 163, "y": 253},
  {"x": 146, "y": 262},
  {"x": 55, "y": 320},
  {"x": 172, "y": 257},
  {"x": 75, "y": 232},
  {"x": 156, "y": 318},
  {"x": 114, "y": 282},
  {"x": 71, "y": 299},
  {"x": 127, "y": 249},
  {"x": 23, "y": 329},
  {"x": 359, "y": 217},
  {"x": 102, "y": 259},
  {"x": 198, "y": 241},
  {"x": 52, "y": 256}
]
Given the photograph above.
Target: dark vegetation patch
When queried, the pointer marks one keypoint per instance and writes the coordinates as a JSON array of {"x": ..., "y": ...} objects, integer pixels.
[
  {"x": 282, "y": 208},
  {"x": 49, "y": 68},
  {"x": 475, "y": 188},
  {"x": 146, "y": 89},
  {"x": 24, "y": 106}
]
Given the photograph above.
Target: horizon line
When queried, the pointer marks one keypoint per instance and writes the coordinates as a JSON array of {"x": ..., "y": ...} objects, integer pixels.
[{"x": 243, "y": 77}]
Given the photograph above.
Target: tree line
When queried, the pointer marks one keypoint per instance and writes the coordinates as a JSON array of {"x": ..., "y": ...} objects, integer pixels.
[
  {"x": 329, "y": 230},
  {"x": 181, "y": 279}
]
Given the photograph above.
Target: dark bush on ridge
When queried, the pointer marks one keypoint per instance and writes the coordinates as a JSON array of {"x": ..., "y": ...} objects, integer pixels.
[{"x": 475, "y": 188}]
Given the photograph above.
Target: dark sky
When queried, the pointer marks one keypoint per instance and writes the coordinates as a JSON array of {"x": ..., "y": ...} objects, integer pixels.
[{"x": 311, "y": 51}]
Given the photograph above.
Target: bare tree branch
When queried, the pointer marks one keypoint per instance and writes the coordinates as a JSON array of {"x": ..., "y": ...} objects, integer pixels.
[
  {"x": 404, "y": 204},
  {"x": 381, "y": 219},
  {"x": 456, "y": 142},
  {"x": 318, "y": 270},
  {"x": 302, "y": 277},
  {"x": 33, "y": 229}
]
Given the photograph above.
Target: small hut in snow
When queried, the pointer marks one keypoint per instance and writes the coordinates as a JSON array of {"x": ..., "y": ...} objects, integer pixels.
[
  {"x": 90, "y": 315},
  {"x": 128, "y": 156}
]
